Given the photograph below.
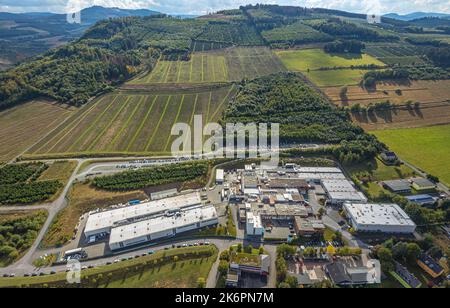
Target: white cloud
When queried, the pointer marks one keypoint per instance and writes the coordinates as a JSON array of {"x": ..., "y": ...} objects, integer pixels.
[{"x": 203, "y": 6}]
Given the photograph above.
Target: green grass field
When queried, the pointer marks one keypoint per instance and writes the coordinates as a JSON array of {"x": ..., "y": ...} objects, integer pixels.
[
  {"x": 137, "y": 272},
  {"x": 428, "y": 148},
  {"x": 183, "y": 274},
  {"x": 132, "y": 122},
  {"x": 232, "y": 64},
  {"x": 310, "y": 61},
  {"x": 330, "y": 78}
]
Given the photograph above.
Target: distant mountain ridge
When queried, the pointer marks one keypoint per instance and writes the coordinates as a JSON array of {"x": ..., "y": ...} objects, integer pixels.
[
  {"x": 28, "y": 34},
  {"x": 89, "y": 16},
  {"x": 416, "y": 15}
]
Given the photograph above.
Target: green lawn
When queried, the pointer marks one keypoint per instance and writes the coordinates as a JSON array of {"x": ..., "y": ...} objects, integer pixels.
[
  {"x": 183, "y": 274},
  {"x": 379, "y": 171},
  {"x": 192, "y": 264},
  {"x": 428, "y": 148},
  {"x": 333, "y": 78},
  {"x": 312, "y": 59}
]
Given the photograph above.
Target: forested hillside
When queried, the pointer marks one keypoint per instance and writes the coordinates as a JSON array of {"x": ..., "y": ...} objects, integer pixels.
[
  {"x": 303, "y": 114},
  {"x": 114, "y": 50}
]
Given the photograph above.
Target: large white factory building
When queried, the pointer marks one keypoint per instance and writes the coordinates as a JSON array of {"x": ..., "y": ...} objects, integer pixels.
[
  {"x": 149, "y": 221},
  {"x": 384, "y": 218}
]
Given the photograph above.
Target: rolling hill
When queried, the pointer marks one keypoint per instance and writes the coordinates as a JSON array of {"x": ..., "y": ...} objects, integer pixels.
[
  {"x": 29, "y": 34},
  {"x": 416, "y": 15}
]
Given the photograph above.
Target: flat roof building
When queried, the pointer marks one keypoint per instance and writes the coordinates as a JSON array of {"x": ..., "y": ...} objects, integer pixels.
[
  {"x": 420, "y": 184},
  {"x": 104, "y": 221},
  {"x": 398, "y": 186},
  {"x": 308, "y": 227},
  {"x": 254, "y": 226},
  {"x": 429, "y": 265},
  {"x": 385, "y": 218},
  {"x": 162, "y": 226},
  {"x": 422, "y": 199},
  {"x": 341, "y": 191}
]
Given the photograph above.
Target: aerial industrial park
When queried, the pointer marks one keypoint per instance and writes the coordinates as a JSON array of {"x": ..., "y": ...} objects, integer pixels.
[
  {"x": 255, "y": 147},
  {"x": 318, "y": 215}
]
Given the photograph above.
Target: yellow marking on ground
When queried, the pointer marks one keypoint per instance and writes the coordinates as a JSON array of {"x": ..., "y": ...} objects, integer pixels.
[
  {"x": 119, "y": 134},
  {"x": 168, "y": 72},
  {"x": 93, "y": 124},
  {"x": 84, "y": 115},
  {"x": 214, "y": 59},
  {"x": 174, "y": 122},
  {"x": 159, "y": 123},
  {"x": 192, "y": 64},
  {"x": 223, "y": 102},
  {"x": 141, "y": 126},
  {"x": 209, "y": 107},
  {"x": 93, "y": 143},
  {"x": 179, "y": 69},
  {"x": 225, "y": 69},
  {"x": 75, "y": 116}
]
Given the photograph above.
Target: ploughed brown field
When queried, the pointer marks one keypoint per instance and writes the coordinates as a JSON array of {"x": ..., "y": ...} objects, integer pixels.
[
  {"x": 397, "y": 93},
  {"x": 24, "y": 125},
  {"x": 433, "y": 96},
  {"x": 428, "y": 115}
]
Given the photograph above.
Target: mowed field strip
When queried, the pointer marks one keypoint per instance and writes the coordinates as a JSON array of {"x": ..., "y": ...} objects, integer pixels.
[
  {"x": 22, "y": 126},
  {"x": 427, "y": 148},
  {"x": 134, "y": 122},
  {"x": 233, "y": 64},
  {"x": 422, "y": 91},
  {"x": 311, "y": 62}
]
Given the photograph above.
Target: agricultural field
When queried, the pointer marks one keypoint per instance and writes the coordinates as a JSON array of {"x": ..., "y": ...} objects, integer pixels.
[
  {"x": 82, "y": 199},
  {"x": 231, "y": 33},
  {"x": 296, "y": 33},
  {"x": 333, "y": 78},
  {"x": 313, "y": 59},
  {"x": 422, "y": 91},
  {"x": 402, "y": 54},
  {"x": 202, "y": 46},
  {"x": 24, "y": 125},
  {"x": 233, "y": 64},
  {"x": 427, "y": 148},
  {"x": 132, "y": 122},
  {"x": 426, "y": 115},
  {"x": 322, "y": 68}
]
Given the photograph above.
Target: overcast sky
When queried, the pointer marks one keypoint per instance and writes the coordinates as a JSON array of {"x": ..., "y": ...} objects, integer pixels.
[{"x": 205, "y": 6}]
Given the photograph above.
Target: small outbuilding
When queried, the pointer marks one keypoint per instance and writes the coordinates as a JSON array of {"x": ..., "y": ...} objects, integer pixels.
[
  {"x": 421, "y": 185},
  {"x": 398, "y": 186}
]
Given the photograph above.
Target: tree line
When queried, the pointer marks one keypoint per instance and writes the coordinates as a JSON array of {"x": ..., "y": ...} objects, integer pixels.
[{"x": 131, "y": 180}]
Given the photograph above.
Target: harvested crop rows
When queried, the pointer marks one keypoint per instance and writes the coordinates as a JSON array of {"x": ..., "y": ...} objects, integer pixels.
[
  {"x": 426, "y": 115},
  {"x": 132, "y": 122},
  {"x": 24, "y": 125},
  {"x": 422, "y": 91},
  {"x": 232, "y": 64},
  {"x": 391, "y": 54},
  {"x": 231, "y": 33}
]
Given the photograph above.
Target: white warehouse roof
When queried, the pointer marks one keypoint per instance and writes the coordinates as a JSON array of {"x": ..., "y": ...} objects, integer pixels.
[
  {"x": 390, "y": 216},
  {"x": 338, "y": 186},
  {"x": 105, "y": 220},
  {"x": 158, "y": 224},
  {"x": 355, "y": 196},
  {"x": 318, "y": 170}
]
